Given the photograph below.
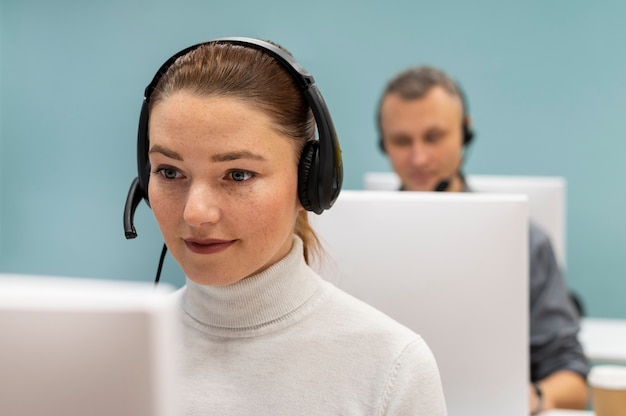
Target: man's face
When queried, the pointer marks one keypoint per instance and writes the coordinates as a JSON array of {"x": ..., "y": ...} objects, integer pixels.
[{"x": 424, "y": 139}]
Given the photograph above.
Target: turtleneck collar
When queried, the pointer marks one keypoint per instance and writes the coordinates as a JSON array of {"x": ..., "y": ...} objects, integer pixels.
[{"x": 254, "y": 302}]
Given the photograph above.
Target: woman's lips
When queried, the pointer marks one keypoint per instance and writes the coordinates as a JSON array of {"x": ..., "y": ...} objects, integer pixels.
[{"x": 207, "y": 246}]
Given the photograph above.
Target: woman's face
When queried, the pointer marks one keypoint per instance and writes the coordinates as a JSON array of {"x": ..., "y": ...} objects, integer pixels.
[{"x": 223, "y": 186}]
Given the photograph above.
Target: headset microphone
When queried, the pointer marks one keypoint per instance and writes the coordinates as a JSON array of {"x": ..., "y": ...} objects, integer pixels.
[
  {"x": 132, "y": 201},
  {"x": 442, "y": 186}
]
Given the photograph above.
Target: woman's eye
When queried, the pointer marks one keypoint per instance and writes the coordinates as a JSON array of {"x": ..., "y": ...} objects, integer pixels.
[
  {"x": 168, "y": 173},
  {"x": 240, "y": 175}
]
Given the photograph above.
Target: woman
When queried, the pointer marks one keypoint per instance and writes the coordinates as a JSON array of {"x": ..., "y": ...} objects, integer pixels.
[{"x": 233, "y": 163}]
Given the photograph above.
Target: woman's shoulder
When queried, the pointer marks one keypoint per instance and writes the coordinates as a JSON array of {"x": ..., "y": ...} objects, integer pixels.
[
  {"x": 363, "y": 320},
  {"x": 398, "y": 354}
]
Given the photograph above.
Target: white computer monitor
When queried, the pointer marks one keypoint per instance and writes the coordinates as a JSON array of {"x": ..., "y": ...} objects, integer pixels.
[
  {"x": 546, "y": 199},
  {"x": 76, "y": 347},
  {"x": 452, "y": 267}
]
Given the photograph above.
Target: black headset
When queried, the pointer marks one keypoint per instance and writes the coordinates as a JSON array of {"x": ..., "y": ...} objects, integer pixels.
[
  {"x": 467, "y": 132},
  {"x": 320, "y": 169}
]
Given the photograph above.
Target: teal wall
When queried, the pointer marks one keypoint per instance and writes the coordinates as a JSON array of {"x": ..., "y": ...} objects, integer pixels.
[{"x": 546, "y": 81}]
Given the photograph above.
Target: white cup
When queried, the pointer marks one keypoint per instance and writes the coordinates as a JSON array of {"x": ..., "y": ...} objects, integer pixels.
[{"x": 608, "y": 389}]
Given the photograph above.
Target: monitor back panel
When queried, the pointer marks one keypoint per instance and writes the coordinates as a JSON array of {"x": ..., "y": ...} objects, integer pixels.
[
  {"x": 453, "y": 268},
  {"x": 546, "y": 202},
  {"x": 547, "y": 196},
  {"x": 73, "y": 347}
]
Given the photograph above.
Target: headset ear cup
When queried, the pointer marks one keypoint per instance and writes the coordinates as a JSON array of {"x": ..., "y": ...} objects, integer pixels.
[
  {"x": 307, "y": 177},
  {"x": 468, "y": 134}
]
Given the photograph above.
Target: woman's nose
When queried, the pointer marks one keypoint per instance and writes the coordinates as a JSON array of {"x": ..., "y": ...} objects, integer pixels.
[{"x": 201, "y": 206}]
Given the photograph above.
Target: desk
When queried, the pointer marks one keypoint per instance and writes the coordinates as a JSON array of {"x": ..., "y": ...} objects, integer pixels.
[
  {"x": 560, "y": 412},
  {"x": 604, "y": 340}
]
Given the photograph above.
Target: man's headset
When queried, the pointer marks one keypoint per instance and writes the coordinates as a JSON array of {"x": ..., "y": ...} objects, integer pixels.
[
  {"x": 468, "y": 133},
  {"x": 320, "y": 169}
]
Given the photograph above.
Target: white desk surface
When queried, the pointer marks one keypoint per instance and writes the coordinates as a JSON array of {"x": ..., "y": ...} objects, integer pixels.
[
  {"x": 604, "y": 339},
  {"x": 560, "y": 412}
]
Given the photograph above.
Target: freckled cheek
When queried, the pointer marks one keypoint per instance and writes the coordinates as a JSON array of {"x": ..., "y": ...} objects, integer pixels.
[
  {"x": 286, "y": 203},
  {"x": 273, "y": 205},
  {"x": 165, "y": 207}
]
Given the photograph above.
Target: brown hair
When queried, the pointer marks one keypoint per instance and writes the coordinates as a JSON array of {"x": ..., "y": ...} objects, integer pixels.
[{"x": 241, "y": 72}]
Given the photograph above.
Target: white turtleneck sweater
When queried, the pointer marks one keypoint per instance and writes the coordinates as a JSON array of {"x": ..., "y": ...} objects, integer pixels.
[{"x": 286, "y": 342}]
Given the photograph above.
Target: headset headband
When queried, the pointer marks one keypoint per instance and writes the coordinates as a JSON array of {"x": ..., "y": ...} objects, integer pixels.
[{"x": 320, "y": 168}]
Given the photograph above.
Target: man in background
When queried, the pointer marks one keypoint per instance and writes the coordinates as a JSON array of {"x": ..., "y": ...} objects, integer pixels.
[{"x": 424, "y": 130}]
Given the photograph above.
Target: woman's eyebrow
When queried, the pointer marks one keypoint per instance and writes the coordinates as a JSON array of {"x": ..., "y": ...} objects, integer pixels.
[
  {"x": 228, "y": 156},
  {"x": 221, "y": 157},
  {"x": 166, "y": 152}
]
